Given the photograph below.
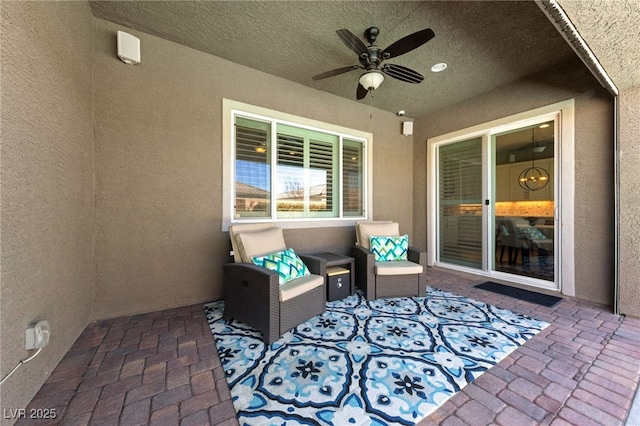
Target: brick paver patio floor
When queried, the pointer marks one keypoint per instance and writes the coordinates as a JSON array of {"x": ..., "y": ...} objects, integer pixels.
[{"x": 162, "y": 368}]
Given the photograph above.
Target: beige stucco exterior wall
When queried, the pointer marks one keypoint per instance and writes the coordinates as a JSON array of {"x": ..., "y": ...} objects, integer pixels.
[
  {"x": 617, "y": 48},
  {"x": 594, "y": 190},
  {"x": 629, "y": 140},
  {"x": 158, "y": 158},
  {"x": 46, "y": 259}
]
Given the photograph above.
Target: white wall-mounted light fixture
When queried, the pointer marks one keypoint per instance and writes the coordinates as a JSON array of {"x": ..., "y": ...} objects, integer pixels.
[
  {"x": 128, "y": 48},
  {"x": 371, "y": 80}
]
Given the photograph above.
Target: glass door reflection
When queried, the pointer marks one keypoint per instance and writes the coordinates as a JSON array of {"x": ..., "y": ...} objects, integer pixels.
[{"x": 524, "y": 225}]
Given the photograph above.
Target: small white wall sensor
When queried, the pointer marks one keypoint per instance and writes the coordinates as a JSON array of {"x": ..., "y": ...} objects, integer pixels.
[
  {"x": 128, "y": 48},
  {"x": 407, "y": 128}
]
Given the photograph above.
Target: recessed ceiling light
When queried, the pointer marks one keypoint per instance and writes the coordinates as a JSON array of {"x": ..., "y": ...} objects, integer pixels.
[
  {"x": 544, "y": 126},
  {"x": 439, "y": 67}
]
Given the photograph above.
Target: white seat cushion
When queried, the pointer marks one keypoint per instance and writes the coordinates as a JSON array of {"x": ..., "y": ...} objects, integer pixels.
[
  {"x": 234, "y": 230},
  {"x": 301, "y": 285},
  {"x": 260, "y": 243},
  {"x": 401, "y": 267}
]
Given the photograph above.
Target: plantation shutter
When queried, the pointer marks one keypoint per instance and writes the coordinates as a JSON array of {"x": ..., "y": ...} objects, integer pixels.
[
  {"x": 300, "y": 170},
  {"x": 352, "y": 178},
  {"x": 460, "y": 202},
  {"x": 252, "y": 180},
  {"x": 321, "y": 159},
  {"x": 290, "y": 195}
]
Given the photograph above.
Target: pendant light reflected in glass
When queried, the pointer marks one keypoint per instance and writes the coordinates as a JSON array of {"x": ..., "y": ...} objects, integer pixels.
[{"x": 534, "y": 178}]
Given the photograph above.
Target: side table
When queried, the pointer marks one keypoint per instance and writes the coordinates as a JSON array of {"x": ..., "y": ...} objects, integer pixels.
[{"x": 346, "y": 262}]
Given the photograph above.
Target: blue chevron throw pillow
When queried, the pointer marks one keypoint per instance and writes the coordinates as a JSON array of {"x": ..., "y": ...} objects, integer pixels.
[
  {"x": 286, "y": 263},
  {"x": 387, "y": 249}
]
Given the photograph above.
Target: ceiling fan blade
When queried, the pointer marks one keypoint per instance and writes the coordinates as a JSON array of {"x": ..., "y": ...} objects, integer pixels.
[
  {"x": 408, "y": 43},
  {"x": 352, "y": 41},
  {"x": 361, "y": 92},
  {"x": 402, "y": 73},
  {"x": 337, "y": 71}
]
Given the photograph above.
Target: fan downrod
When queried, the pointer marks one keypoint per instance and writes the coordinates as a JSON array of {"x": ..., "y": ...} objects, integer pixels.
[{"x": 371, "y": 34}]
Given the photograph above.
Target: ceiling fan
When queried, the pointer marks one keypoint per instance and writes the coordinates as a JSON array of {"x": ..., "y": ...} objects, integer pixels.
[{"x": 371, "y": 57}]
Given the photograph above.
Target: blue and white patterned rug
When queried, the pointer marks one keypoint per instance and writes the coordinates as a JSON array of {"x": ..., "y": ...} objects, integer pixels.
[{"x": 384, "y": 362}]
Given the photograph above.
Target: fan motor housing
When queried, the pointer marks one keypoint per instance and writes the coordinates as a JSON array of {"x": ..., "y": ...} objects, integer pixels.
[
  {"x": 372, "y": 59},
  {"x": 371, "y": 34}
]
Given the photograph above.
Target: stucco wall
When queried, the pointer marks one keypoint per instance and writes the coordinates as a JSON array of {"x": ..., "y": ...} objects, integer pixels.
[
  {"x": 594, "y": 195},
  {"x": 629, "y": 202},
  {"x": 158, "y": 128},
  {"x": 618, "y": 51},
  {"x": 47, "y": 185}
]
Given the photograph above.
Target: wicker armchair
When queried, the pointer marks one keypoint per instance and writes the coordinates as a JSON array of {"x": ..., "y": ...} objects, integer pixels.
[
  {"x": 387, "y": 279},
  {"x": 253, "y": 294}
]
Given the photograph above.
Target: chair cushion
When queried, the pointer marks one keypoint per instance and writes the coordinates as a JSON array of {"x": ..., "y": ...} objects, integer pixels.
[
  {"x": 286, "y": 263},
  {"x": 260, "y": 243},
  {"x": 234, "y": 230},
  {"x": 299, "y": 286},
  {"x": 366, "y": 229},
  {"x": 389, "y": 249},
  {"x": 401, "y": 267}
]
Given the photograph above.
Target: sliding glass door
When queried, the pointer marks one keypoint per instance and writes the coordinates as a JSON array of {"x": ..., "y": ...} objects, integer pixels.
[
  {"x": 495, "y": 199},
  {"x": 460, "y": 203},
  {"x": 524, "y": 208}
]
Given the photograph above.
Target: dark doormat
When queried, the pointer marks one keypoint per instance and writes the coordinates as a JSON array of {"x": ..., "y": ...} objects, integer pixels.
[{"x": 518, "y": 293}]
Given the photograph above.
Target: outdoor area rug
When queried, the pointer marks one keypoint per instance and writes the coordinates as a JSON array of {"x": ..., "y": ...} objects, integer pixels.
[
  {"x": 519, "y": 293},
  {"x": 383, "y": 362}
]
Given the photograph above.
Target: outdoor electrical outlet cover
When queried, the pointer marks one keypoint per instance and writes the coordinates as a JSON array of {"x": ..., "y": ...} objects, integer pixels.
[{"x": 37, "y": 335}]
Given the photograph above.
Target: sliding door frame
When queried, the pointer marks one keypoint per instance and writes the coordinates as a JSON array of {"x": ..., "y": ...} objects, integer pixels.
[{"x": 564, "y": 193}]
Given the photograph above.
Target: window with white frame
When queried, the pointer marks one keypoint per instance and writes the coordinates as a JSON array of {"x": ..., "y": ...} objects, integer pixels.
[{"x": 292, "y": 170}]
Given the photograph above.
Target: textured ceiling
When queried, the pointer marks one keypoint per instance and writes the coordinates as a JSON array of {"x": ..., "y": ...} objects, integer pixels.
[
  {"x": 612, "y": 31},
  {"x": 486, "y": 44}
]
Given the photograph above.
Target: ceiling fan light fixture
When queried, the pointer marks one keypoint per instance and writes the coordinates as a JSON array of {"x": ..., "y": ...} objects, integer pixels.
[
  {"x": 371, "y": 80},
  {"x": 371, "y": 57}
]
